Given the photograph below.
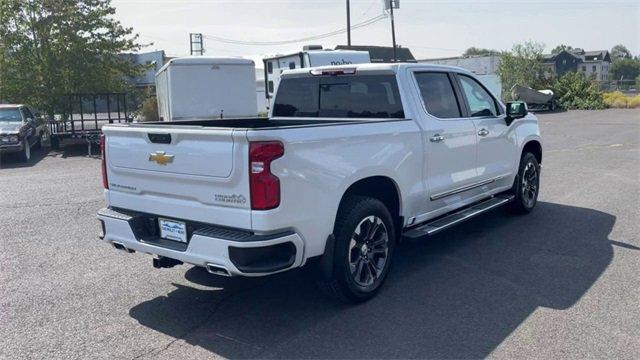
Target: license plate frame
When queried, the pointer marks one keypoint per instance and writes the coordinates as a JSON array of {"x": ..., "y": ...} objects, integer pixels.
[{"x": 173, "y": 230}]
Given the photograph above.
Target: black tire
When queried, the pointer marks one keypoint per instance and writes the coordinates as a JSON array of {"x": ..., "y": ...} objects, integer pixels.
[
  {"x": 364, "y": 251},
  {"x": 38, "y": 144},
  {"x": 526, "y": 185},
  {"x": 25, "y": 154},
  {"x": 55, "y": 142}
]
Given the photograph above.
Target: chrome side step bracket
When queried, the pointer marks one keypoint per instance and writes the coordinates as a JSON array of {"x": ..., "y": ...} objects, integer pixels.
[{"x": 435, "y": 226}]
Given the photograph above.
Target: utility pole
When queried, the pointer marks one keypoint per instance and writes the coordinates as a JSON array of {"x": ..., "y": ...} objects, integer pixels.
[
  {"x": 348, "y": 24},
  {"x": 393, "y": 30},
  {"x": 196, "y": 46},
  {"x": 393, "y": 34},
  {"x": 389, "y": 5}
]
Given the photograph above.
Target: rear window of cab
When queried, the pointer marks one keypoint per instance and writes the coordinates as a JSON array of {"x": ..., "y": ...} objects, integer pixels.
[{"x": 362, "y": 96}]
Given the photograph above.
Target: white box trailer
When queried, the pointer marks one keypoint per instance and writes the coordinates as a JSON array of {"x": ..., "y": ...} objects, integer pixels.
[
  {"x": 206, "y": 88},
  {"x": 309, "y": 57}
]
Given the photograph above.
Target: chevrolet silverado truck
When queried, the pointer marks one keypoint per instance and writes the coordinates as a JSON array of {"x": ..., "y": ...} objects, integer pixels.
[
  {"x": 20, "y": 130},
  {"x": 350, "y": 160}
]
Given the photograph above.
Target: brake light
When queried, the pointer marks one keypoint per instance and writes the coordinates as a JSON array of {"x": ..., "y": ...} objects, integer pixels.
[
  {"x": 265, "y": 187},
  {"x": 103, "y": 151},
  {"x": 333, "y": 72}
]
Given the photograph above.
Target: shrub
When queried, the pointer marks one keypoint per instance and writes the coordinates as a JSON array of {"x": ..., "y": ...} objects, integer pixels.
[
  {"x": 619, "y": 100},
  {"x": 615, "y": 99},
  {"x": 574, "y": 91},
  {"x": 149, "y": 109},
  {"x": 634, "y": 102}
]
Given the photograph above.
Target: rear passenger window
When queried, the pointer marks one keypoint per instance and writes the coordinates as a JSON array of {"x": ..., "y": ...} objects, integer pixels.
[
  {"x": 438, "y": 95},
  {"x": 480, "y": 102}
]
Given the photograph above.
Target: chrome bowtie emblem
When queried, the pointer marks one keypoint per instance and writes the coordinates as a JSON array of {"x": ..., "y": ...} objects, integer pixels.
[{"x": 161, "y": 158}]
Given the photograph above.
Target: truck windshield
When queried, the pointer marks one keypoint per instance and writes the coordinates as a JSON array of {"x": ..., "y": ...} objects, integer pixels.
[
  {"x": 10, "y": 115},
  {"x": 366, "y": 96}
]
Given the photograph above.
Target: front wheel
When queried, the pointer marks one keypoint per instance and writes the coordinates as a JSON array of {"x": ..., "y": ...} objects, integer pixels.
[
  {"x": 364, "y": 244},
  {"x": 526, "y": 186},
  {"x": 25, "y": 155}
]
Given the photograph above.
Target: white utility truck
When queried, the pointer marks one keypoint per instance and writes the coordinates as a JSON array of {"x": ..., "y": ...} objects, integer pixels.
[
  {"x": 199, "y": 87},
  {"x": 351, "y": 159},
  {"x": 310, "y": 56}
]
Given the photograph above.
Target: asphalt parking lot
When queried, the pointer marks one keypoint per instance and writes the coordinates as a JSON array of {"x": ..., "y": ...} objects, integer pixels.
[{"x": 562, "y": 282}]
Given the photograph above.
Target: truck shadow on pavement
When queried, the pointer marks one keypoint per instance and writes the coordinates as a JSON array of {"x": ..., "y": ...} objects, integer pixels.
[{"x": 456, "y": 295}]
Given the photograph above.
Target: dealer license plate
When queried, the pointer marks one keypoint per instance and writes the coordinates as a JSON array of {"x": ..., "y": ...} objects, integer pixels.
[{"x": 173, "y": 230}]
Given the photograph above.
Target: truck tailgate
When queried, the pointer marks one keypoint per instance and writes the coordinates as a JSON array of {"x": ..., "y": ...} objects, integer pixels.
[{"x": 188, "y": 173}]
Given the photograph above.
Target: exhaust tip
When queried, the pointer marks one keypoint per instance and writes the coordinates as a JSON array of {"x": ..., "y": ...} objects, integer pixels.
[
  {"x": 218, "y": 270},
  {"x": 121, "y": 246}
]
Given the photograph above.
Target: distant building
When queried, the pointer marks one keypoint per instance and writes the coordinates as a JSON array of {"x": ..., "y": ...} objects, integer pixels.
[
  {"x": 479, "y": 65},
  {"x": 593, "y": 64},
  {"x": 155, "y": 60},
  {"x": 483, "y": 66},
  {"x": 382, "y": 54},
  {"x": 562, "y": 62}
]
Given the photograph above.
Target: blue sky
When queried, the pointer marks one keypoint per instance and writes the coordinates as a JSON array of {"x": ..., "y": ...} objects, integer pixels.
[{"x": 430, "y": 28}]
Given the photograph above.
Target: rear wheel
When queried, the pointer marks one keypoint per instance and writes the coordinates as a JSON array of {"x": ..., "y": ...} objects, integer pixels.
[
  {"x": 526, "y": 186},
  {"x": 364, "y": 244}
]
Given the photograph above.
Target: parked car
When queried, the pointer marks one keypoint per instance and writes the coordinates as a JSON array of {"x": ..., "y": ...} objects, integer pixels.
[
  {"x": 351, "y": 159},
  {"x": 20, "y": 130}
]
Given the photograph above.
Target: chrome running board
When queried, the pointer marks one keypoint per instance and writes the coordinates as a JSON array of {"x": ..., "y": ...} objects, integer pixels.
[{"x": 435, "y": 226}]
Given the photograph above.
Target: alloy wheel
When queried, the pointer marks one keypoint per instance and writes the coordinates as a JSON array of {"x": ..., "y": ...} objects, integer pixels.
[
  {"x": 529, "y": 184},
  {"x": 368, "y": 251}
]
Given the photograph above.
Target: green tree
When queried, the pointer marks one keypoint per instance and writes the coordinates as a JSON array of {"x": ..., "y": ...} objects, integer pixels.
[
  {"x": 474, "y": 51},
  {"x": 558, "y": 49},
  {"x": 50, "y": 48},
  {"x": 625, "y": 69},
  {"x": 574, "y": 91},
  {"x": 620, "y": 52},
  {"x": 522, "y": 66}
]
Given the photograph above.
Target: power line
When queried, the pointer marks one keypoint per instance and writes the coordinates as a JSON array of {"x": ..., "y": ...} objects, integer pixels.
[{"x": 364, "y": 23}]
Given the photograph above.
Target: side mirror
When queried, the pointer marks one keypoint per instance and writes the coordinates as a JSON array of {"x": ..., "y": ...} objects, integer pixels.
[{"x": 516, "y": 110}]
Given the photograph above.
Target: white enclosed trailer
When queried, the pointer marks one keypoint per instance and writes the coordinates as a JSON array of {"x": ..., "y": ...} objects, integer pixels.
[
  {"x": 311, "y": 56},
  {"x": 205, "y": 88}
]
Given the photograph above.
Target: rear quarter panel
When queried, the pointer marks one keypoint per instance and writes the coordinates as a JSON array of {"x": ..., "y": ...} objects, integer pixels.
[{"x": 320, "y": 163}]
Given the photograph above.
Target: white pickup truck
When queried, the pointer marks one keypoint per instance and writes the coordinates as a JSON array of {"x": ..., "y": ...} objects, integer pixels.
[{"x": 351, "y": 159}]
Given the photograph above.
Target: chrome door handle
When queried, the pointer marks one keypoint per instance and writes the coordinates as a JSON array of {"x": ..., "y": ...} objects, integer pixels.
[
  {"x": 483, "y": 132},
  {"x": 437, "y": 138}
]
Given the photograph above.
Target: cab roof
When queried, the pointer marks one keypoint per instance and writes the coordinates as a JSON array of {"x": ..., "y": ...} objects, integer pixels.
[{"x": 380, "y": 68}]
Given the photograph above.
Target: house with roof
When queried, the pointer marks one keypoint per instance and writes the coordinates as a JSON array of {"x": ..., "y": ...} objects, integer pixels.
[{"x": 593, "y": 64}]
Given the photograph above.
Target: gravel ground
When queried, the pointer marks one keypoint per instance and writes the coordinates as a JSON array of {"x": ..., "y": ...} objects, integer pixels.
[{"x": 561, "y": 282}]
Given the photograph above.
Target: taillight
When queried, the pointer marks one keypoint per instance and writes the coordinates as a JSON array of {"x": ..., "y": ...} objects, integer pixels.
[
  {"x": 103, "y": 151},
  {"x": 265, "y": 187}
]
